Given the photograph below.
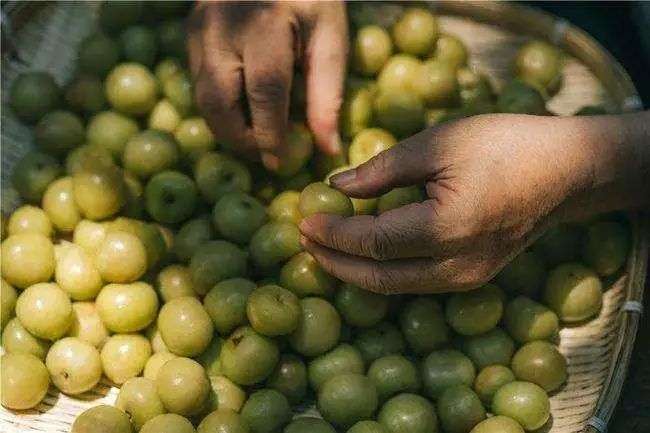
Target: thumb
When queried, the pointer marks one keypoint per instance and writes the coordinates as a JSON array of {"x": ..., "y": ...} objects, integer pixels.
[
  {"x": 325, "y": 63},
  {"x": 409, "y": 162}
]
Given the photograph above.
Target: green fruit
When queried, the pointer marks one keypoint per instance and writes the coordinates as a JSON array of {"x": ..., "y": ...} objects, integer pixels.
[
  {"x": 8, "y": 298},
  {"x": 111, "y": 131},
  {"x": 237, "y": 216},
  {"x": 85, "y": 95},
  {"x": 540, "y": 64},
  {"x": 498, "y": 424},
  {"x": 44, "y": 310},
  {"x": 399, "y": 197},
  {"x": 33, "y": 173},
  {"x": 415, "y": 32},
  {"x": 400, "y": 112},
  {"x": 423, "y": 325},
  {"x": 32, "y": 95},
  {"x": 139, "y": 45},
  {"x": 408, "y": 413},
  {"x": 182, "y": 386},
  {"x": 102, "y": 419},
  {"x": 194, "y": 137},
  {"x": 371, "y": 49},
  {"x": 150, "y": 152},
  {"x": 359, "y": 307},
  {"x": 131, "y": 89},
  {"x": 266, "y": 411},
  {"x": 300, "y": 146},
  {"x": 16, "y": 339},
  {"x": 139, "y": 399},
  {"x": 367, "y": 427},
  {"x": 304, "y": 277},
  {"x": 273, "y": 311},
  {"x": 223, "y": 420},
  {"x": 347, "y": 398},
  {"x": 340, "y": 360},
  {"x": 216, "y": 174},
  {"x": 540, "y": 362},
  {"x": 124, "y": 356},
  {"x": 170, "y": 197},
  {"x": 369, "y": 143},
  {"x": 127, "y": 307},
  {"x": 490, "y": 379},
  {"x": 171, "y": 38},
  {"x": 168, "y": 423},
  {"x": 574, "y": 292},
  {"x": 174, "y": 281},
  {"x": 87, "y": 325},
  {"x": 524, "y": 402},
  {"x": 400, "y": 73},
  {"x": 225, "y": 394},
  {"x": 309, "y": 425},
  {"x": 98, "y": 54},
  {"x": 24, "y": 380},
  {"x": 527, "y": 320},
  {"x": 290, "y": 378},
  {"x": 248, "y": 357},
  {"x": 606, "y": 247},
  {"x": 226, "y": 303},
  {"x": 438, "y": 85},
  {"x": 475, "y": 312},
  {"x": 379, "y": 341},
  {"x": 560, "y": 244},
  {"x": 27, "y": 259},
  {"x": 445, "y": 368},
  {"x": 190, "y": 236},
  {"x": 319, "y": 328},
  {"x": 215, "y": 261},
  {"x": 493, "y": 347},
  {"x": 519, "y": 97},
  {"x": 274, "y": 243},
  {"x": 450, "y": 49},
  {"x": 178, "y": 90},
  {"x": 185, "y": 326},
  {"x": 525, "y": 275},
  {"x": 99, "y": 191},
  {"x": 320, "y": 198},
  {"x": 58, "y": 203},
  {"x": 393, "y": 374},
  {"x": 356, "y": 112},
  {"x": 118, "y": 15},
  {"x": 459, "y": 409},
  {"x": 59, "y": 131},
  {"x": 210, "y": 359},
  {"x": 475, "y": 88}
]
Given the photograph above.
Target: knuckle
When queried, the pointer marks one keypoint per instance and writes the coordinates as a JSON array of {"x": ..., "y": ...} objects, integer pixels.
[
  {"x": 381, "y": 242},
  {"x": 268, "y": 89}
]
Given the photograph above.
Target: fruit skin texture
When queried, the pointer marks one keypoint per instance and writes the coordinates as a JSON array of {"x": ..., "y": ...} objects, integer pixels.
[
  {"x": 423, "y": 324},
  {"x": 138, "y": 397},
  {"x": 498, "y": 424},
  {"x": 33, "y": 94},
  {"x": 226, "y": 303},
  {"x": 8, "y": 299},
  {"x": 342, "y": 359},
  {"x": 475, "y": 312},
  {"x": 121, "y": 128},
  {"x": 393, "y": 374},
  {"x": 415, "y": 32},
  {"x": 290, "y": 378},
  {"x": 33, "y": 173},
  {"x": 124, "y": 356},
  {"x": 574, "y": 292},
  {"x": 59, "y": 132},
  {"x": 539, "y": 63},
  {"x": 27, "y": 259},
  {"x": 45, "y": 311},
  {"x": 367, "y": 426},
  {"x": 87, "y": 325},
  {"x": 102, "y": 419},
  {"x": 318, "y": 197},
  {"x": 29, "y": 218},
  {"x": 24, "y": 380},
  {"x": 99, "y": 191},
  {"x": 127, "y": 308},
  {"x": 445, "y": 368},
  {"x": 541, "y": 363},
  {"x": 77, "y": 274},
  {"x": 266, "y": 411},
  {"x": 304, "y": 277},
  {"x": 183, "y": 386},
  {"x": 347, "y": 398},
  {"x": 170, "y": 197},
  {"x": 319, "y": 328},
  {"x": 372, "y": 47},
  {"x": 121, "y": 258},
  {"x": 74, "y": 365},
  {"x": 58, "y": 203},
  {"x": 185, "y": 326},
  {"x": 606, "y": 246},
  {"x": 490, "y": 379},
  {"x": 493, "y": 347},
  {"x": 248, "y": 357},
  {"x": 168, "y": 423},
  {"x": 524, "y": 402},
  {"x": 369, "y": 143},
  {"x": 273, "y": 310},
  {"x": 524, "y": 275},
  {"x": 408, "y": 413},
  {"x": 527, "y": 320},
  {"x": 459, "y": 409},
  {"x": 359, "y": 307},
  {"x": 215, "y": 261},
  {"x": 223, "y": 420},
  {"x": 274, "y": 243},
  {"x": 237, "y": 216},
  {"x": 16, "y": 339},
  {"x": 131, "y": 89}
]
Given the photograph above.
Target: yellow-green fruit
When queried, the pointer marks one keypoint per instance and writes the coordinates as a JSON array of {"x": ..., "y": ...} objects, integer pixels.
[
  {"x": 415, "y": 32},
  {"x": 77, "y": 274},
  {"x": 110, "y": 131},
  {"x": 490, "y": 379},
  {"x": 475, "y": 312},
  {"x": 164, "y": 117},
  {"x": 225, "y": 394},
  {"x": 127, "y": 307},
  {"x": 183, "y": 386},
  {"x": 45, "y": 311},
  {"x": 498, "y": 424},
  {"x": 541, "y": 363},
  {"x": 369, "y": 143},
  {"x": 59, "y": 205},
  {"x": 27, "y": 259},
  {"x": 29, "y": 219},
  {"x": 131, "y": 89},
  {"x": 89, "y": 235},
  {"x": 139, "y": 399},
  {"x": 400, "y": 73},
  {"x": 17, "y": 339},
  {"x": 124, "y": 356},
  {"x": 153, "y": 365},
  {"x": 8, "y": 298},
  {"x": 606, "y": 246},
  {"x": 87, "y": 325},
  {"x": 540, "y": 64},
  {"x": 450, "y": 50},
  {"x": 121, "y": 257},
  {"x": 284, "y": 207},
  {"x": 194, "y": 137},
  {"x": 99, "y": 191},
  {"x": 24, "y": 380},
  {"x": 438, "y": 85},
  {"x": 74, "y": 365},
  {"x": 320, "y": 198},
  {"x": 102, "y": 418},
  {"x": 524, "y": 402},
  {"x": 400, "y": 112},
  {"x": 300, "y": 146},
  {"x": 372, "y": 46},
  {"x": 356, "y": 112},
  {"x": 574, "y": 292}
]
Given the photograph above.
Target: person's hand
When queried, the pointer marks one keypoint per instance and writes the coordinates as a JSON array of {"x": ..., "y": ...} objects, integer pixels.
[
  {"x": 493, "y": 182},
  {"x": 242, "y": 56}
]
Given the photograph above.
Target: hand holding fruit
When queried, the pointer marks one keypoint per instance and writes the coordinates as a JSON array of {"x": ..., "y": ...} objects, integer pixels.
[
  {"x": 494, "y": 183},
  {"x": 243, "y": 55}
]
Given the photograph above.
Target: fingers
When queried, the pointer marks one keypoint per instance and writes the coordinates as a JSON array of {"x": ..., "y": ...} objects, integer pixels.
[
  {"x": 407, "y": 163},
  {"x": 325, "y": 64},
  {"x": 405, "y": 232},
  {"x": 268, "y": 72},
  {"x": 397, "y": 276}
]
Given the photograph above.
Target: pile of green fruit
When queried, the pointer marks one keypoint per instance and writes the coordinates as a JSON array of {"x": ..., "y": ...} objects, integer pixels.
[{"x": 148, "y": 254}]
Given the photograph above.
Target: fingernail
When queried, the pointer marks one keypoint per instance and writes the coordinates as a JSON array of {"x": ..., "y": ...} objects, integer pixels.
[{"x": 343, "y": 179}]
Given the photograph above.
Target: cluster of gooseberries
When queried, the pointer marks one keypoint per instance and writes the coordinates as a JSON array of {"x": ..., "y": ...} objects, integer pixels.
[{"x": 160, "y": 261}]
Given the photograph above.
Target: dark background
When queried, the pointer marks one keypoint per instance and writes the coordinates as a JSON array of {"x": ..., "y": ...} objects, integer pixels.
[{"x": 624, "y": 29}]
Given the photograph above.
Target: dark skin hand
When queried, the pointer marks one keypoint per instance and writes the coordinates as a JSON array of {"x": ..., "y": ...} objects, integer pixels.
[
  {"x": 242, "y": 57},
  {"x": 494, "y": 184}
]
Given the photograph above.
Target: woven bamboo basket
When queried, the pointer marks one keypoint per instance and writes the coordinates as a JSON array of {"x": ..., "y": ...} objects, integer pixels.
[{"x": 47, "y": 34}]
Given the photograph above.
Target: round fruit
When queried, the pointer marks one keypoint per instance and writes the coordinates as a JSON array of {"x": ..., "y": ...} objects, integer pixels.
[
  {"x": 131, "y": 89},
  {"x": 183, "y": 386},
  {"x": 225, "y": 394},
  {"x": 304, "y": 277},
  {"x": 217, "y": 174},
  {"x": 320, "y": 198},
  {"x": 139, "y": 45},
  {"x": 170, "y": 197},
  {"x": 399, "y": 111},
  {"x": 475, "y": 312},
  {"x": 226, "y": 303},
  {"x": 266, "y": 411},
  {"x": 540, "y": 64},
  {"x": 438, "y": 85},
  {"x": 153, "y": 365},
  {"x": 16, "y": 339},
  {"x": 284, "y": 207},
  {"x": 45, "y": 311},
  {"x": 171, "y": 33},
  {"x": 359, "y": 307},
  {"x": 273, "y": 311},
  {"x": 27, "y": 259},
  {"x": 138, "y": 397},
  {"x": 24, "y": 380},
  {"x": 380, "y": 340},
  {"x": 237, "y": 216},
  {"x": 121, "y": 257},
  {"x": 300, "y": 145},
  {"x": 274, "y": 243},
  {"x": 393, "y": 374},
  {"x": 127, "y": 307},
  {"x": 77, "y": 274},
  {"x": 493, "y": 347},
  {"x": 194, "y": 137},
  {"x": 32, "y": 95},
  {"x": 111, "y": 131},
  {"x": 174, "y": 281},
  {"x": 524, "y": 402},
  {"x": 400, "y": 73},
  {"x": 408, "y": 413},
  {"x": 150, "y": 152},
  {"x": 371, "y": 49},
  {"x": 124, "y": 356},
  {"x": 164, "y": 117},
  {"x": 560, "y": 244},
  {"x": 367, "y": 426},
  {"x": 223, "y": 420},
  {"x": 309, "y": 425},
  {"x": 369, "y": 143},
  {"x": 490, "y": 379},
  {"x": 319, "y": 327},
  {"x": 8, "y": 298},
  {"x": 178, "y": 90},
  {"x": 32, "y": 174},
  {"x": 215, "y": 261},
  {"x": 342, "y": 359},
  {"x": 74, "y": 365},
  {"x": 248, "y": 357},
  {"x": 445, "y": 368},
  {"x": 356, "y": 112},
  {"x": 498, "y": 424},
  {"x": 574, "y": 292},
  {"x": 29, "y": 218},
  {"x": 168, "y": 423},
  {"x": 519, "y": 97},
  {"x": 525, "y": 275},
  {"x": 415, "y": 32},
  {"x": 85, "y": 95},
  {"x": 459, "y": 409},
  {"x": 59, "y": 131},
  {"x": 540, "y": 362},
  {"x": 102, "y": 419},
  {"x": 98, "y": 54},
  {"x": 290, "y": 378},
  {"x": 423, "y": 325},
  {"x": 347, "y": 398},
  {"x": 185, "y": 326},
  {"x": 527, "y": 320},
  {"x": 450, "y": 50},
  {"x": 605, "y": 247},
  {"x": 190, "y": 236},
  {"x": 87, "y": 325},
  {"x": 398, "y": 197},
  {"x": 99, "y": 190},
  {"x": 58, "y": 203}
]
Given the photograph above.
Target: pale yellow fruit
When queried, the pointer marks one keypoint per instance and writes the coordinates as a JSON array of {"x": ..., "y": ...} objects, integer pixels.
[{"x": 77, "y": 274}]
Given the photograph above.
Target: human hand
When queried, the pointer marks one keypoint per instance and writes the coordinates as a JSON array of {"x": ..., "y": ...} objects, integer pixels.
[
  {"x": 242, "y": 57},
  {"x": 493, "y": 182}
]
